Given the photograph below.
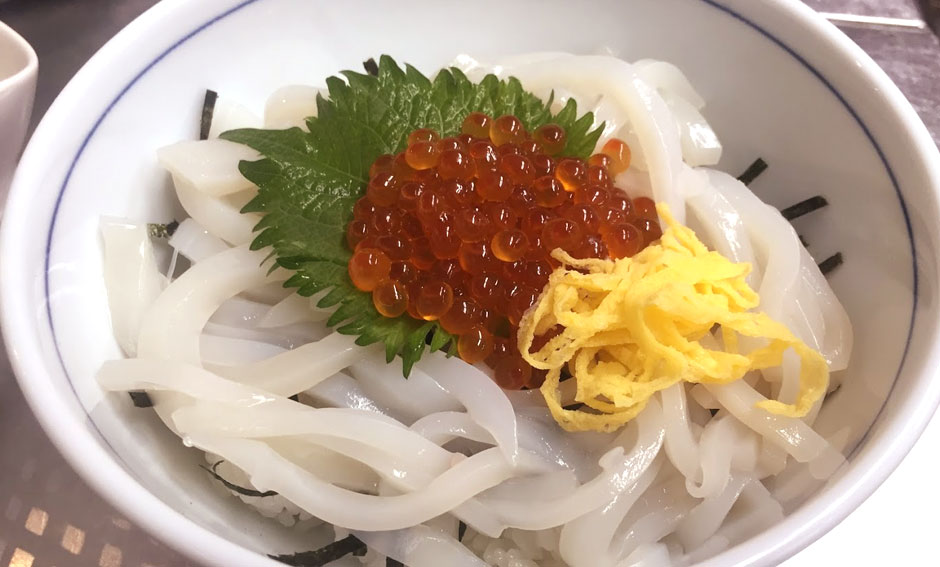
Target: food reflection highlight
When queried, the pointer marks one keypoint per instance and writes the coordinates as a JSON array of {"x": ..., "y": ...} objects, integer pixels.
[{"x": 685, "y": 372}]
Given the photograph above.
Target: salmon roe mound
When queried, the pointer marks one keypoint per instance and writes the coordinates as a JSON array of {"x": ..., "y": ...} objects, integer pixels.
[{"x": 460, "y": 230}]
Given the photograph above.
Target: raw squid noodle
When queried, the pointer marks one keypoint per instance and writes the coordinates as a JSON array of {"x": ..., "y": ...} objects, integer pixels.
[{"x": 445, "y": 468}]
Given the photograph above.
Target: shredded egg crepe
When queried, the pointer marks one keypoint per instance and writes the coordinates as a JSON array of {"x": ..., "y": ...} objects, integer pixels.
[{"x": 635, "y": 326}]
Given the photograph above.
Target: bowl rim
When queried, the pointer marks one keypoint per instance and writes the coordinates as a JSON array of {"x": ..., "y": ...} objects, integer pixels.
[{"x": 112, "y": 482}]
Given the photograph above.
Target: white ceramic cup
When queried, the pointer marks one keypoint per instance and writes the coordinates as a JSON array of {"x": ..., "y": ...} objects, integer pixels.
[{"x": 18, "y": 65}]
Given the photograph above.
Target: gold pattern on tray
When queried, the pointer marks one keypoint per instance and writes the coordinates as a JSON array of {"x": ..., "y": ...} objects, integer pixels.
[
  {"x": 110, "y": 556},
  {"x": 73, "y": 539},
  {"x": 21, "y": 558},
  {"x": 36, "y": 521}
]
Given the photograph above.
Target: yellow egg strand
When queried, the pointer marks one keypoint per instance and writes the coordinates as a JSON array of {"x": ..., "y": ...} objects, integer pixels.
[{"x": 634, "y": 326}]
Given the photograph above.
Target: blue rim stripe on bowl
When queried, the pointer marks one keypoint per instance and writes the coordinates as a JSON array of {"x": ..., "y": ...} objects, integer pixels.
[{"x": 713, "y": 3}]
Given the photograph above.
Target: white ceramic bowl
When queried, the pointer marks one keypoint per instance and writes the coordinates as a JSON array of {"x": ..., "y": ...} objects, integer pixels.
[{"x": 781, "y": 83}]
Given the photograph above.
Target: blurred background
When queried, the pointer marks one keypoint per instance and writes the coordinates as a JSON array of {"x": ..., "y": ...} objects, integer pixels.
[{"x": 48, "y": 517}]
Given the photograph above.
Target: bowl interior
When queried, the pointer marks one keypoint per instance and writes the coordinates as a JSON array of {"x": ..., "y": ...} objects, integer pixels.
[{"x": 813, "y": 119}]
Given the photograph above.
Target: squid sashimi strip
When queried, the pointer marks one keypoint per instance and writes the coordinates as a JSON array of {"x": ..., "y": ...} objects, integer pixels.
[
  {"x": 483, "y": 398},
  {"x": 649, "y": 555},
  {"x": 172, "y": 325},
  {"x": 404, "y": 472},
  {"x": 241, "y": 411},
  {"x": 132, "y": 278},
  {"x": 666, "y": 76},
  {"x": 408, "y": 400},
  {"x": 421, "y": 546},
  {"x": 681, "y": 446},
  {"x": 228, "y": 351},
  {"x": 331, "y": 466},
  {"x": 790, "y": 434},
  {"x": 536, "y": 439},
  {"x": 445, "y": 426},
  {"x": 342, "y": 391},
  {"x": 578, "y": 453},
  {"x": 836, "y": 344},
  {"x": 230, "y": 115},
  {"x": 721, "y": 226},
  {"x": 655, "y": 515},
  {"x": 351, "y": 510},
  {"x": 619, "y": 470},
  {"x": 775, "y": 242},
  {"x": 210, "y": 166},
  {"x": 293, "y": 309},
  {"x": 587, "y": 541},
  {"x": 302, "y": 368},
  {"x": 219, "y": 215},
  {"x": 193, "y": 241},
  {"x": 534, "y": 487},
  {"x": 705, "y": 519},
  {"x": 718, "y": 444},
  {"x": 290, "y": 106}
]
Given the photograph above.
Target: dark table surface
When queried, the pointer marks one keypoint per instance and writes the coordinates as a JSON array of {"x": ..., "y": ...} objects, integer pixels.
[{"x": 47, "y": 514}]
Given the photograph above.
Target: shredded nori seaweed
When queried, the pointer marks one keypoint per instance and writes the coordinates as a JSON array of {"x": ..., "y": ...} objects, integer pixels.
[
  {"x": 158, "y": 230},
  {"x": 371, "y": 67},
  {"x": 461, "y": 530},
  {"x": 141, "y": 399},
  {"x": 208, "y": 109},
  {"x": 326, "y": 554},
  {"x": 234, "y": 487},
  {"x": 804, "y": 207},
  {"x": 830, "y": 263},
  {"x": 753, "y": 170}
]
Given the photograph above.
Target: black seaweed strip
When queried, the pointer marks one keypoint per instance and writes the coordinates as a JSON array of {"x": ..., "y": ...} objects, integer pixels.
[
  {"x": 326, "y": 554},
  {"x": 171, "y": 227},
  {"x": 461, "y": 530},
  {"x": 239, "y": 489},
  {"x": 208, "y": 109},
  {"x": 753, "y": 170},
  {"x": 804, "y": 207},
  {"x": 389, "y": 562},
  {"x": 830, "y": 263},
  {"x": 371, "y": 67},
  {"x": 141, "y": 399}
]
